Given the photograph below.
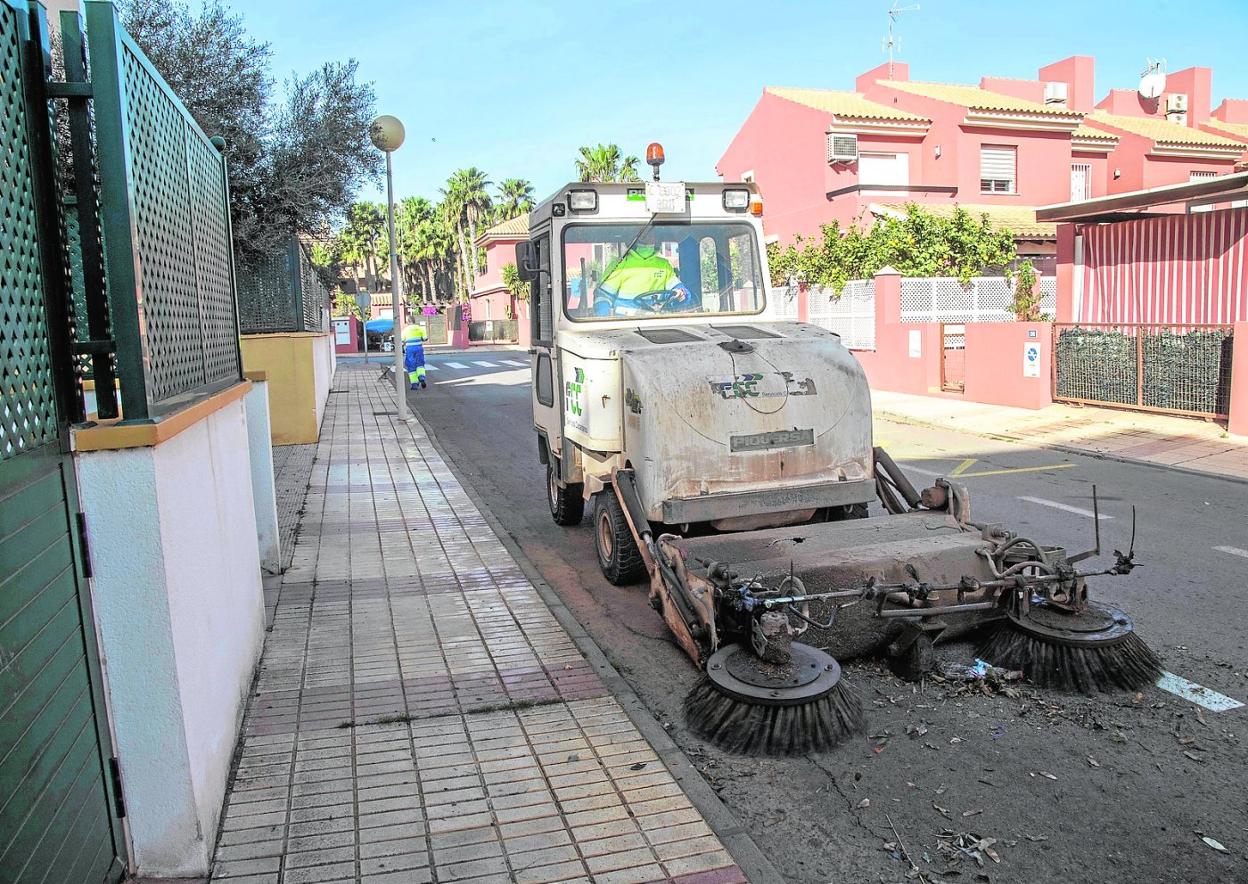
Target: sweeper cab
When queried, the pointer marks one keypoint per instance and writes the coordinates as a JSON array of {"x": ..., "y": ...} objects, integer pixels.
[{"x": 726, "y": 453}]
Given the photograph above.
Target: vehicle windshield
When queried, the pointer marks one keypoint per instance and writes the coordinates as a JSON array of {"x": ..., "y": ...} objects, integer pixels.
[{"x": 614, "y": 271}]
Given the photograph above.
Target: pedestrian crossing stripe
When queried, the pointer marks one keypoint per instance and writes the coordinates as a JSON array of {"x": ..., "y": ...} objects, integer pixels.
[
  {"x": 513, "y": 362},
  {"x": 431, "y": 368},
  {"x": 483, "y": 364},
  {"x": 455, "y": 365}
]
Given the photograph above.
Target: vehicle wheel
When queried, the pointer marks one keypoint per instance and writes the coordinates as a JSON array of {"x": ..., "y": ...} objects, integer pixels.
[
  {"x": 567, "y": 506},
  {"x": 618, "y": 555}
]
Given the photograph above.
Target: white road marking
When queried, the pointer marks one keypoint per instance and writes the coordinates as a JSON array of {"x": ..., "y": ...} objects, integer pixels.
[
  {"x": 455, "y": 365},
  {"x": 1233, "y": 550},
  {"x": 483, "y": 364},
  {"x": 1198, "y": 694},
  {"x": 513, "y": 362},
  {"x": 430, "y": 366},
  {"x": 1065, "y": 507}
]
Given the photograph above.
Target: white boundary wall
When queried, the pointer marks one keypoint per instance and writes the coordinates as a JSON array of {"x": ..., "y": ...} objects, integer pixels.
[
  {"x": 180, "y": 615},
  {"x": 263, "y": 491}
]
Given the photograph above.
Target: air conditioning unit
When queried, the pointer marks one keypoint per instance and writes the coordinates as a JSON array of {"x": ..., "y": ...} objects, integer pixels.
[
  {"x": 1056, "y": 93},
  {"x": 842, "y": 148},
  {"x": 1176, "y": 103}
]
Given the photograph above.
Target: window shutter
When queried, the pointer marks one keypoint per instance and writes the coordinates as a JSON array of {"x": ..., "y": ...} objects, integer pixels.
[
  {"x": 997, "y": 169},
  {"x": 883, "y": 168}
]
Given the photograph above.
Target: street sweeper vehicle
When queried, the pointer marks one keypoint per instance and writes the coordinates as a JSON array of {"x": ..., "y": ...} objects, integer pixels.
[{"x": 726, "y": 453}]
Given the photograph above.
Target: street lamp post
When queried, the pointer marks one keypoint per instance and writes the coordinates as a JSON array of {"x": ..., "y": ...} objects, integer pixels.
[{"x": 387, "y": 135}]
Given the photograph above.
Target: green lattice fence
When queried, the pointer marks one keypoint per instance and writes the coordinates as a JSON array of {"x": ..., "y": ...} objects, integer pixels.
[
  {"x": 164, "y": 212},
  {"x": 28, "y": 417},
  {"x": 281, "y": 293}
]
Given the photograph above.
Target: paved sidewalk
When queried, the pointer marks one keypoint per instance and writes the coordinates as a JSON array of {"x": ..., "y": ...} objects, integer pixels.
[
  {"x": 1159, "y": 439},
  {"x": 420, "y": 715}
]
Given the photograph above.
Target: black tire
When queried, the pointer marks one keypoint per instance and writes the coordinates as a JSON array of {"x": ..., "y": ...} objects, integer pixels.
[
  {"x": 618, "y": 555},
  {"x": 567, "y": 506}
]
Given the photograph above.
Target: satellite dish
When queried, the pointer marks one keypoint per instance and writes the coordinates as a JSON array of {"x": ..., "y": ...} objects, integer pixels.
[{"x": 1152, "y": 81}]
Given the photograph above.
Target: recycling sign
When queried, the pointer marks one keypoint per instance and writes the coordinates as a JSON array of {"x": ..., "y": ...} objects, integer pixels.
[{"x": 1031, "y": 359}]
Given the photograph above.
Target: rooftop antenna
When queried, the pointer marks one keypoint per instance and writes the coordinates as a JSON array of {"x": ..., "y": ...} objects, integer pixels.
[{"x": 891, "y": 42}]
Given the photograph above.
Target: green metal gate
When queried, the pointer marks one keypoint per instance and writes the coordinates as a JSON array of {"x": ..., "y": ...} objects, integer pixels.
[{"x": 58, "y": 805}]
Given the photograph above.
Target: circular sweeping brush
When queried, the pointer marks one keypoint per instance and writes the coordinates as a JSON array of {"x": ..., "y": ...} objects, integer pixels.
[
  {"x": 1093, "y": 649},
  {"x": 751, "y": 707}
]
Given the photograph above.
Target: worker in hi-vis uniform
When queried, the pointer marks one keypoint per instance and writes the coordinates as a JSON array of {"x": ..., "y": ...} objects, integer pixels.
[
  {"x": 414, "y": 355},
  {"x": 640, "y": 282}
]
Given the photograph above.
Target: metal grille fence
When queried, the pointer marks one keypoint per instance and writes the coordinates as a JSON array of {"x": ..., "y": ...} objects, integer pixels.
[
  {"x": 281, "y": 293},
  {"x": 983, "y": 299},
  {"x": 499, "y": 330},
  {"x": 1174, "y": 369},
  {"x": 784, "y": 302},
  {"x": 165, "y": 219},
  {"x": 851, "y": 314},
  {"x": 28, "y": 415}
]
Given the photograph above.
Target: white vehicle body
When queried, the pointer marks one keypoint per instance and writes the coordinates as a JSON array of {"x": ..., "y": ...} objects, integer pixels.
[{"x": 727, "y": 414}]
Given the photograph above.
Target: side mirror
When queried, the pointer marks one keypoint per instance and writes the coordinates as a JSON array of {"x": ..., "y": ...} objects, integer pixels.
[{"x": 526, "y": 261}]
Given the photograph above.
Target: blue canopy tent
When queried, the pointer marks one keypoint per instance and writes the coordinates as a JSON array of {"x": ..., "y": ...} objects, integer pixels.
[{"x": 382, "y": 326}]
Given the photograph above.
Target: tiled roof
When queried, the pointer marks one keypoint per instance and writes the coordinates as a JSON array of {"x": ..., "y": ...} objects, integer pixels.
[
  {"x": 973, "y": 97},
  {"x": 1235, "y": 130},
  {"x": 1019, "y": 220},
  {"x": 1083, "y": 130},
  {"x": 843, "y": 104},
  {"x": 1161, "y": 131},
  {"x": 512, "y": 228}
]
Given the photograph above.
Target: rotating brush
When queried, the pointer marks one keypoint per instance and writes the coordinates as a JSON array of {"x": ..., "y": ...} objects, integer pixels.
[
  {"x": 1093, "y": 649},
  {"x": 747, "y": 706}
]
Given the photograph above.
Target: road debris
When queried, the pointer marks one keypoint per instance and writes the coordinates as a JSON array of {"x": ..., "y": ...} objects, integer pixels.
[
  {"x": 1215, "y": 844},
  {"x": 914, "y": 869},
  {"x": 957, "y": 846},
  {"x": 863, "y": 804}
]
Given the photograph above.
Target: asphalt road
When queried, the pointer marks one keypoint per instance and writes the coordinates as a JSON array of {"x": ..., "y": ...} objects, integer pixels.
[{"x": 1112, "y": 788}]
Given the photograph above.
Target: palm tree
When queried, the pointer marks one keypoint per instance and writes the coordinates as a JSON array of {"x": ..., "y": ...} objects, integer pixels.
[
  {"x": 467, "y": 202},
  {"x": 410, "y": 214},
  {"x": 602, "y": 163},
  {"x": 515, "y": 197},
  {"x": 363, "y": 239},
  {"x": 452, "y": 212}
]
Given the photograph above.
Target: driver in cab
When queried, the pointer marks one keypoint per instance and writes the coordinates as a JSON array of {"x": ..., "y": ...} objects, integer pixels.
[{"x": 640, "y": 282}]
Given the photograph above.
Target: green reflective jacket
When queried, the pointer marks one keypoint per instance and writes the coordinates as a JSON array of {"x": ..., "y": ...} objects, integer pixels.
[{"x": 641, "y": 270}]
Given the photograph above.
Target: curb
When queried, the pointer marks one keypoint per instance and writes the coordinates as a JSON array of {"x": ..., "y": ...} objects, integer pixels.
[
  {"x": 753, "y": 863},
  {"x": 1068, "y": 449}
]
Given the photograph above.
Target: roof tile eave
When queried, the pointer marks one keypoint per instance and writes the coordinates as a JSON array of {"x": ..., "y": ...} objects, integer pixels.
[
  {"x": 1161, "y": 132},
  {"x": 840, "y": 103},
  {"x": 979, "y": 99}
]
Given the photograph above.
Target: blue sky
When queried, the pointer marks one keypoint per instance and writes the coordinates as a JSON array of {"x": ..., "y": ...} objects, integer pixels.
[{"x": 516, "y": 87}]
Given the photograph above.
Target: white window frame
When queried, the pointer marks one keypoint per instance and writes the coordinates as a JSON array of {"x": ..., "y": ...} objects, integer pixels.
[
  {"x": 1087, "y": 181},
  {"x": 989, "y": 185}
]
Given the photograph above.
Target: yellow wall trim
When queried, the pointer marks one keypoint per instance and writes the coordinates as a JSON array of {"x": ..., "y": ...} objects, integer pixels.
[{"x": 117, "y": 435}]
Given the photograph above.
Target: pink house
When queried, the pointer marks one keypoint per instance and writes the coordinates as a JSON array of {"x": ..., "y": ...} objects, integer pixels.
[
  {"x": 490, "y": 299},
  {"x": 1001, "y": 148}
]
